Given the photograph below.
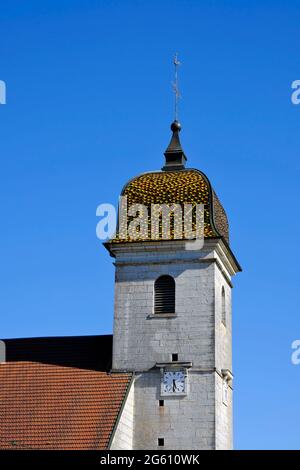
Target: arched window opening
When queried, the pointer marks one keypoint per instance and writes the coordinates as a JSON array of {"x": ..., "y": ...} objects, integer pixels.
[
  {"x": 223, "y": 306},
  {"x": 164, "y": 295}
]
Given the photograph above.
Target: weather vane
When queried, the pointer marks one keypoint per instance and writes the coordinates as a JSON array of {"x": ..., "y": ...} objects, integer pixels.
[{"x": 175, "y": 85}]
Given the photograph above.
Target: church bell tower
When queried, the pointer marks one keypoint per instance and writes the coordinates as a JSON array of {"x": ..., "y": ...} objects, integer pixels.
[{"x": 172, "y": 314}]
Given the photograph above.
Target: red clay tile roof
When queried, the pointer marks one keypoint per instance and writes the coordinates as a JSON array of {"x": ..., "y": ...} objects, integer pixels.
[{"x": 46, "y": 406}]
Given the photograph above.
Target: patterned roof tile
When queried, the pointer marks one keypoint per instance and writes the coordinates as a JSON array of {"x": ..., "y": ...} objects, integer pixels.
[{"x": 176, "y": 187}]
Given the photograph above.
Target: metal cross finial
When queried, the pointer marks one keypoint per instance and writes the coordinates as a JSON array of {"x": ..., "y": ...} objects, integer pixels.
[{"x": 175, "y": 85}]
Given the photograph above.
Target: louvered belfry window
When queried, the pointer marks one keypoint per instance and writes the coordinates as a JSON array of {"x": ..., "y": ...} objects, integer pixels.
[{"x": 164, "y": 295}]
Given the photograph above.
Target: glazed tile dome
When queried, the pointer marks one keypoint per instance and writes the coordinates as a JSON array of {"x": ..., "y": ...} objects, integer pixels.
[{"x": 176, "y": 185}]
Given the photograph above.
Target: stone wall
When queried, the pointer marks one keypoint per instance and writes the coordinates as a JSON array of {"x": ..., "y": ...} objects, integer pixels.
[
  {"x": 141, "y": 339},
  {"x": 199, "y": 420},
  {"x": 123, "y": 437},
  {"x": 183, "y": 422}
]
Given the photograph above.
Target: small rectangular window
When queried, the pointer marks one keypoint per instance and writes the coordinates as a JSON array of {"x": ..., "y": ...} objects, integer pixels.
[
  {"x": 175, "y": 357},
  {"x": 161, "y": 441},
  {"x": 161, "y": 403},
  {"x": 223, "y": 307},
  {"x": 225, "y": 392}
]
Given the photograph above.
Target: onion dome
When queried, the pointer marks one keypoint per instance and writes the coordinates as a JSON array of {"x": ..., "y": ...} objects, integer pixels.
[{"x": 174, "y": 184}]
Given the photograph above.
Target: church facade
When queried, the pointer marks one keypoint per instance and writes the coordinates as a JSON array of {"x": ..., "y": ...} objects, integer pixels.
[{"x": 168, "y": 381}]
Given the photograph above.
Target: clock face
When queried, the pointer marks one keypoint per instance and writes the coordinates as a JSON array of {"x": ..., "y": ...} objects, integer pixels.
[{"x": 174, "y": 382}]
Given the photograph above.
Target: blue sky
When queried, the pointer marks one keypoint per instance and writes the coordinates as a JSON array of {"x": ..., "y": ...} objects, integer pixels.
[{"x": 89, "y": 104}]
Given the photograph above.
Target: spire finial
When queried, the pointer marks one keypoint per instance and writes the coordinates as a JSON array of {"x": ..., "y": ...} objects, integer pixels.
[
  {"x": 175, "y": 158},
  {"x": 175, "y": 85}
]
